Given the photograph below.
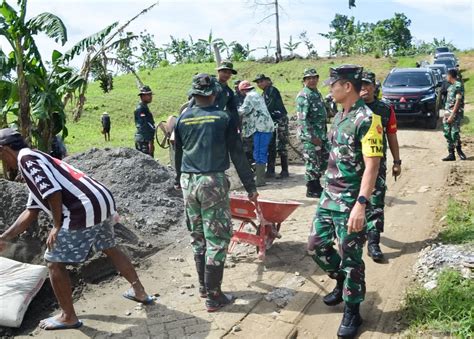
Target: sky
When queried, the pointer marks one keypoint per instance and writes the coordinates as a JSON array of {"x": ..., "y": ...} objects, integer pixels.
[{"x": 238, "y": 20}]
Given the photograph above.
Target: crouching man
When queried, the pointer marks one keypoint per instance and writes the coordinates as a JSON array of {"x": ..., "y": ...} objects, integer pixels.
[{"x": 82, "y": 211}]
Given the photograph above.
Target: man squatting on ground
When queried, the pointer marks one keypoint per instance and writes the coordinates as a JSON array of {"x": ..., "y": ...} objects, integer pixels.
[
  {"x": 205, "y": 136},
  {"x": 375, "y": 214},
  {"x": 83, "y": 213},
  {"x": 354, "y": 158}
]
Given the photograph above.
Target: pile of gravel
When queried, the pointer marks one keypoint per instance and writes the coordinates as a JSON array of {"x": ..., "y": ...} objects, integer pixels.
[{"x": 437, "y": 257}]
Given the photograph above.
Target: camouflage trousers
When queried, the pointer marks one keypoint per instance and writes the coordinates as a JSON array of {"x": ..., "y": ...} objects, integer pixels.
[
  {"x": 208, "y": 218},
  {"x": 375, "y": 211},
  {"x": 452, "y": 132},
  {"x": 279, "y": 141},
  {"x": 344, "y": 264},
  {"x": 316, "y": 160}
]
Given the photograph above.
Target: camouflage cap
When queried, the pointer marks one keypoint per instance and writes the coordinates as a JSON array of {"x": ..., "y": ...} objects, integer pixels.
[
  {"x": 260, "y": 77},
  {"x": 344, "y": 72},
  {"x": 226, "y": 64},
  {"x": 203, "y": 84},
  {"x": 368, "y": 76},
  {"x": 310, "y": 72},
  {"x": 145, "y": 90}
]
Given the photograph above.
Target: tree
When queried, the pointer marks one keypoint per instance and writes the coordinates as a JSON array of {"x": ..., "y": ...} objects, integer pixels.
[
  {"x": 291, "y": 46},
  {"x": 151, "y": 55},
  {"x": 274, "y": 8},
  {"x": 268, "y": 48},
  {"x": 308, "y": 44},
  {"x": 100, "y": 48},
  {"x": 19, "y": 34}
]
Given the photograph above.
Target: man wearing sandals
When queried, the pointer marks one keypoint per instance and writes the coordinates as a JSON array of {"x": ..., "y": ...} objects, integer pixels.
[{"x": 83, "y": 213}]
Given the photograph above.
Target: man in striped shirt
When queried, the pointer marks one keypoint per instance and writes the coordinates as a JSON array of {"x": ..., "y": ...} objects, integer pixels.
[{"x": 83, "y": 213}]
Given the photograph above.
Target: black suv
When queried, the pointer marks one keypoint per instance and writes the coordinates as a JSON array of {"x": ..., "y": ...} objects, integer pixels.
[{"x": 413, "y": 92}]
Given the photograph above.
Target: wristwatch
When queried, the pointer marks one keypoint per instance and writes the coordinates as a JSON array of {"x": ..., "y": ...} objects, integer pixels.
[
  {"x": 397, "y": 162},
  {"x": 362, "y": 200}
]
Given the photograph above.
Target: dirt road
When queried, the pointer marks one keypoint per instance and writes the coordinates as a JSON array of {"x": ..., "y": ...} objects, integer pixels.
[{"x": 282, "y": 296}]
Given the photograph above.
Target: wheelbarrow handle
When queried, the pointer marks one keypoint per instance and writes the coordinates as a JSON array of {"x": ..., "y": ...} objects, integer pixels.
[{"x": 259, "y": 213}]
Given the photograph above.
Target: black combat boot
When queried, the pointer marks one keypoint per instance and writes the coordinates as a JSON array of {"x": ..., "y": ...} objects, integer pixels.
[
  {"x": 215, "y": 298},
  {"x": 270, "y": 173},
  {"x": 351, "y": 321},
  {"x": 284, "y": 167},
  {"x": 451, "y": 156},
  {"x": 335, "y": 297},
  {"x": 200, "y": 261},
  {"x": 313, "y": 189},
  {"x": 373, "y": 247},
  {"x": 461, "y": 154}
]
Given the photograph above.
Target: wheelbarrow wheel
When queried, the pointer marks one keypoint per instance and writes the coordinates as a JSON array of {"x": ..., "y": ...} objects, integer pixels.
[{"x": 162, "y": 136}]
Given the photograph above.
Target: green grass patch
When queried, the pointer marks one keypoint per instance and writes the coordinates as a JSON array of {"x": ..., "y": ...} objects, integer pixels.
[
  {"x": 459, "y": 227},
  {"x": 448, "y": 308}
]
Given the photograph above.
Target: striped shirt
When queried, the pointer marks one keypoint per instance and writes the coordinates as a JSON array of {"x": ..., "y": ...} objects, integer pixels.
[{"x": 85, "y": 201}]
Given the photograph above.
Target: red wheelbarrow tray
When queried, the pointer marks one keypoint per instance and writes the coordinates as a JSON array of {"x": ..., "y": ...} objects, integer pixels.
[{"x": 272, "y": 211}]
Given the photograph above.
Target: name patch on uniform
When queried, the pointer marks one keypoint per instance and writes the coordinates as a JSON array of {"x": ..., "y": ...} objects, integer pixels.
[
  {"x": 372, "y": 144},
  {"x": 200, "y": 120}
]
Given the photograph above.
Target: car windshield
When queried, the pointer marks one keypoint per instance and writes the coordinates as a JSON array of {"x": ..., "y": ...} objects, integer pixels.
[
  {"x": 442, "y": 49},
  {"x": 448, "y": 62},
  {"x": 446, "y": 55},
  {"x": 408, "y": 79}
]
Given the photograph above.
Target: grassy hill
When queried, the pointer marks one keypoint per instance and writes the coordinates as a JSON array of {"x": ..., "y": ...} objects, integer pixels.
[{"x": 170, "y": 85}]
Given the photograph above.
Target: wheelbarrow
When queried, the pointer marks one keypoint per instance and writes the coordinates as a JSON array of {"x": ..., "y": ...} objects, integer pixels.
[{"x": 265, "y": 219}]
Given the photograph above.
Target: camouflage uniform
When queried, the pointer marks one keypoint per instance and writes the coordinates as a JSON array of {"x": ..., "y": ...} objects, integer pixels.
[
  {"x": 352, "y": 135},
  {"x": 375, "y": 213},
  {"x": 312, "y": 115},
  {"x": 452, "y": 130}
]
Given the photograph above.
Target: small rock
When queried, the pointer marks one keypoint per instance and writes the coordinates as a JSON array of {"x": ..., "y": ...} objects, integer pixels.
[
  {"x": 275, "y": 314},
  {"x": 430, "y": 285},
  {"x": 187, "y": 286},
  {"x": 297, "y": 274},
  {"x": 322, "y": 280},
  {"x": 191, "y": 294},
  {"x": 182, "y": 292},
  {"x": 186, "y": 275},
  {"x": 128, "y": 313},
  {"x": 236, "y": 328},
  {"x": 138, "y": 308},
  {"x": 423, "y": 189}
]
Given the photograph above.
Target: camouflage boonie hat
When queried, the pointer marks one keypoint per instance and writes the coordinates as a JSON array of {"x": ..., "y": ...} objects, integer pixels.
[
  {"x": 310, "y": 72},
  {"x": 368, "y": 77},
  {"x": 260, "y": 77},
  {"x": 226, "y": 64},
  {"x": 203, "y": 84},
  {"x": 344, "y": 72},
  {"x": 145, "y": 90}
]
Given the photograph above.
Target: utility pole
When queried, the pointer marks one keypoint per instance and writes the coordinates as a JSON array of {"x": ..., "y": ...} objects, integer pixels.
[{"x": 278, "y": 45}]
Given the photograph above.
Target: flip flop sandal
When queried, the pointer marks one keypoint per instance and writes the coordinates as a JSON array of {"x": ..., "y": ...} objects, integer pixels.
[
  {"x": 130, "y": 295},
  {"x": 53, "y": 324}
]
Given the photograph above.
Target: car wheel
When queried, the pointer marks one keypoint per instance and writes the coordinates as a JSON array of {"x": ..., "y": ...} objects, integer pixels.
[{"x": 432, "y": 122}]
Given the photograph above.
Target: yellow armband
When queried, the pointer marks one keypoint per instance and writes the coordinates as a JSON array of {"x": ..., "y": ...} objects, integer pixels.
[{"x": 372, "y": 144}]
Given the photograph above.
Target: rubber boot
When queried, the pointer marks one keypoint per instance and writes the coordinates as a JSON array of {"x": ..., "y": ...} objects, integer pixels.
[
  {"x": 461, "y": 154},
  {"x": 284, "y": 167},
  {"x": 200, "y": 260},
  {"x": 313, "y": 189},
  {"x": 351, "y": 321},
  {"x": 451, "y": 156},
  {"x": 373, "y": 246},
  {"x": 215, "y": 298},
  {"x": 260, "y": 175},
  {"x": 271, "y": 165},
  {"x": 335, "y": 297}
]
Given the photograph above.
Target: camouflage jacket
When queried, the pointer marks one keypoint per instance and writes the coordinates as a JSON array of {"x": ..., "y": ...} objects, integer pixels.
[
  {"x": 352, "y": 136},
  {"x": 274, "y": 103},
  {"x": 453, "y": 91},
  {"x": 255, "y": 115},
  {"x": 311, "y": 113}
]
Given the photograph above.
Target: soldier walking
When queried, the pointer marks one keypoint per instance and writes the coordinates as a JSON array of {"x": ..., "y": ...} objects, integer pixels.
[
  {"x": 454, "y": 113},
  {"x": 375, "y": 214},
  {"x": 105, "y": 120},
  {"x": 355, "y": 153},
  {"x": 279, "y": 115},
  {"x": 145, "y": 134},
  {"x": 312, "y": 130},
  {"x": 205, "y": 136}
]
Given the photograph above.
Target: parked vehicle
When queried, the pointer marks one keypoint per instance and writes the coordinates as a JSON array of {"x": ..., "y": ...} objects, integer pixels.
[
  {"x": 439, "y": 50},
  {"x": 440, "y": 67},
  {"x": 448, "y": 62},
  {"x": 414, "y": 94}
]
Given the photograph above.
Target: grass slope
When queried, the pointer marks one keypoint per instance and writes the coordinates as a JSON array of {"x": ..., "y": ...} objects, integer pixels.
[{"x": 171, "y": 84}]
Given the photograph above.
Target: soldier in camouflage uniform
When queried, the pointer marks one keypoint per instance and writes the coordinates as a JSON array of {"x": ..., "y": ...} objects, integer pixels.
[
  {"x": 312, "y": 129},
  {"x": 454, "y": 113},
  {"x": 375, "y": 214},
  {"x": 278, "y": 112},
  {"x": 355, "y": 153},
  {"x": 205, "y": 136}
]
